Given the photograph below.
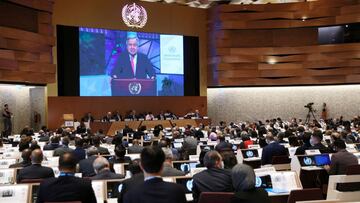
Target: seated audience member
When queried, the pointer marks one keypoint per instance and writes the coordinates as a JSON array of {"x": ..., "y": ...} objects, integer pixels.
[
  {"x": 24, "y": 143},
  {"x": 315, "y": 142},
  {"x": 201, "y": 157},
  {"x": 101, "y": 150},
  {"x": 341, "y": 159},
  {"x": 272, "y": 149},
  {"x": 66, "y": 187},
  {"x": 306, "y": 144},
  {"x": 149, "y": 116},
  {"x": 280, "y": 137},
  {"x": 135, "y": 148},
  {"x": 223, "y": 145},
  {"x": 127, "y": 130},
  {"x": 88, "y": 118},
  {"x": 136, "y": 179},
  {"x": 107, "y": 118},
  {"x": 54, "y": 143},
  {"x": 243, "y": 177},
  {"x": 197, "y": 114},
  {"x": 116, "y": 116},
  {"x": 229, "y": 159},
  {"x": 214, "y": 178},
  {"x": 161, "y": 116},
  {"x": 86, "y": 165},
  {"x": 102, "y": 170},
  {"x": 168, "y": 169},
  {"x": 246, "y": 141},
  {"x": 63, "y": 148},
  {"x": 79, "y": 151},
  {"x": 34, "y": 145},
  {"x": 26, "y": 160},
  {"x": 120, "y": 152},
  {"x": 132, "y": 115},
  {"x": 293, "y": 141},
  {"x": 140, "y": 133},
  {"x": 189, "y": 146},
  {"x": 35, "y": 171},
  {"x": 213, "y": 135},
  {"x": 81, "y": 129},
  {"x": 154, "y": 189},
  {"x": 43, "y": 136}
]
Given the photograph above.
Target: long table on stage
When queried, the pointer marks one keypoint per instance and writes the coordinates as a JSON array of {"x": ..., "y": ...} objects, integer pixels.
[{"x": 109, "y": 128}]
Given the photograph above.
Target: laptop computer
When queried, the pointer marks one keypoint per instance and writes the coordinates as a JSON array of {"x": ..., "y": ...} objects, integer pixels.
[
  {"x": 263, "y": 181},
  {"x": 307, "y": 160},
  {"x": 323, "y": 159},
  {"x": 250, "y": 153}
]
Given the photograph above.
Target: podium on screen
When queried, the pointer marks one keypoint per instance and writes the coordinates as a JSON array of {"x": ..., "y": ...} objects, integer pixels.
[{"x": 133, "y": 87}]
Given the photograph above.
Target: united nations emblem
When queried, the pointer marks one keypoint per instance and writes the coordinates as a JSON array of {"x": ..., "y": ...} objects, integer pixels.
[
  {"x": 134, "y": 16},
  {"x": 134, "y": 88}
]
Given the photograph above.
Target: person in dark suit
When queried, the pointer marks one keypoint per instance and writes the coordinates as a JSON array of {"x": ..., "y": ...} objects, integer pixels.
[
  {"x": 66, "y": 187},
  {"x": 88, "y": 118},
  {"x": 136, "y": 179},
  {"x": 168, "y": 169},
  {"x": 107, "y": 117},
  {"x": 7, "y": 120},
  {"x": 102, "y": 169},
  {"x": 341, "y": 159},
  {"x": 306, "y": 144},
  {"x": 140, "y": 133},
  {"x": 120, "y": 152},
  {"x": 96, "y": 142},
  {"x": 223, "y": 145},
  {"x": 154, "y": 189},
  {"x": 135, "y": 148},
  {"x": 35, "y": 171},
  {"x": 315, "y": 142},
  {"x": 243, "y": 177},
  {"x": 272, "y": 149},
  {"x": 79, "y": 151},
  {"x": 127, "y": 130},
  {"x": 117, "y": 116},
  {"x": 86, "y": 165},
  {"x": 26, "y": 160},
  {"x": 131, "y": 63},
  {"x": 63, "y": 148},
  {"x": 214, "y": 178}
]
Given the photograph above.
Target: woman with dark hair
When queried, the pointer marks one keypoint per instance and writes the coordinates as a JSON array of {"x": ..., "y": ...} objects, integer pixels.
[{"x": 243, "y": 177}]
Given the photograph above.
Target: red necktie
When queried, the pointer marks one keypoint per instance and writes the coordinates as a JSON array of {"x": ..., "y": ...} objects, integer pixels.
[{"x": 132, "y": 64}]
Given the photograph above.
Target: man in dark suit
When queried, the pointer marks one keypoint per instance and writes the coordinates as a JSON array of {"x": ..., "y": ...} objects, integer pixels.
[
  {"x": 272, "y": 149},
  {"x": 315, "y": 142},
  {"x": 66, "y": 187},
  {"x": 26, "y": 160},
  {"x": 131, "y": 63},
  {"x": 168, "y": 169},
  {"x": 214, "y": 178},
  {"x": 102, "y": 169},
  {"x": 96, "y": 142},
  {"x": 136, "y": 179},
  {"x": 86, "y": 165},
  {"x": 35, "y": 171},
  {"x": 154, "y": 189},
  {"x": 135, "y": 148},
  {"x": 341, "y": 159}
]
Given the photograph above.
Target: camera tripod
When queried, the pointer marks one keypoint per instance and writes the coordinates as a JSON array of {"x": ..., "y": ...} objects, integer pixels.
[{"x": 309, "y": 114}]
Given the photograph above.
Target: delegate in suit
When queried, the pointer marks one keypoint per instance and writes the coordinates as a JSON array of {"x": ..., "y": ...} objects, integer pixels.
[{"x": 131, "y": 63}]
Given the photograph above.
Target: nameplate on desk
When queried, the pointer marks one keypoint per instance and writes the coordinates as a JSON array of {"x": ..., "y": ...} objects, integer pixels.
[
  {"x": 141, "y": 119},
  {"x": 168, "y": 118},
  {"x": 205, "y": 117},
  {"x": 312, "y": 152},
  {"x": 181, "y": 118}
]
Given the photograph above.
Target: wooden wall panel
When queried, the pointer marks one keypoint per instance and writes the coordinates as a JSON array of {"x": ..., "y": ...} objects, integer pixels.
[
  {"x": 277, "y": 44},
  {"x": 26, "y": 41},
  {"x": 99, "y": 106}
]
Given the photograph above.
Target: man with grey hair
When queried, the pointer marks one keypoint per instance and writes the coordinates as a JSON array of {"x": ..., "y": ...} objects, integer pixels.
[
  {"x": 214, "y": 178},
  {"x": 64, "y": 147},
  {"x": 86, "y": 165},
  {"x": 35, "y": 171},
  {"x": 131, "y": 63},
  {"x": 168, "y": 170},
  {"x": 102, "y": 169},
  {"x": 243, "y": 177}
]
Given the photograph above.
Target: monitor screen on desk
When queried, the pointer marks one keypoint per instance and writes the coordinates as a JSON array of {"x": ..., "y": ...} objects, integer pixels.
[
  {"x": 263, "y": 181},
  {"x": 307, "y": 160},
  {"x": 184, "y": 166},
  {"x": 113, "y": 188},
  {"x": 187, "y": 184},
  {"x": 323, "y": 159},
  {"x": 250, "y": 153}
]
